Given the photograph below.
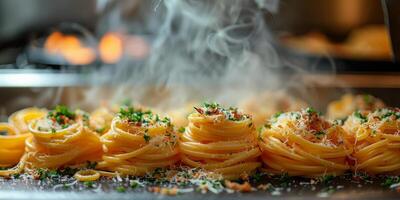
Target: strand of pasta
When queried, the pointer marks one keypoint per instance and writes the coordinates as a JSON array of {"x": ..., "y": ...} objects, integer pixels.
[
  {"x": 55, "y": 149},
  {"x": 127, "y": 151},
  {"x": 12, "y": 145},
  {"x": 377, "y": 147},
  {"x": 21, "y": 119},
  {"x": 225, "y": 147},
  {"x": 11, "y": 149},
  {"x": 100, "y": 120},
  {"x": 285, "y": 150}
]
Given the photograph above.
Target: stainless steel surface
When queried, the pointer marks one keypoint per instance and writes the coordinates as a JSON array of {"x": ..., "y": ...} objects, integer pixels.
[
  {"x": 46, "y": 78},
  {"x": 392, "y": 18},
  {"x": 20, "y": 18},
  {"x": 297, "y": 188}
]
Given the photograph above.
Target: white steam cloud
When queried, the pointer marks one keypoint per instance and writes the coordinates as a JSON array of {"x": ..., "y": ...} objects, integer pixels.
[{"x": 202, "y": 50}]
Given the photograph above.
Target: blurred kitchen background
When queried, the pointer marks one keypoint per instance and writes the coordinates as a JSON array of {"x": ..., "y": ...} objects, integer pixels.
[{"x": 49, "y": 50}]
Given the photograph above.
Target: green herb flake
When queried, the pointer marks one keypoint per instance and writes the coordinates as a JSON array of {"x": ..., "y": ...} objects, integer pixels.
[
  {"x": 362, "y": 118},
  {"x": 88, "y": 184},
  {"x": 311, "y": 111},
  {"x": 16, "y": 176},
  {"x": 276, "y": 115},
  {"x": 91, "y": 165},
  {"x": 121, "y": 189},
  {"x": 320, "y": 134},
  {"x": 60, "y": 112},
  {"x": 368, "y": 99},
  {"x": 101, "y": 130},
  {"x": 181, "y": 130},
  {"x": 45, "y": 173},
  {"x": 134, "y": 184},
  {"x": 146, "y": 137},
  {"x": 327, "y": 179},
  {"x": 390, "y": 181}
]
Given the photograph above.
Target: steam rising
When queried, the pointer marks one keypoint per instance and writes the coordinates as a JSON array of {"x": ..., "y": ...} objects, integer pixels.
[
  {"x": 200, "y": 50},
  {"x": 204, "y": 50}
]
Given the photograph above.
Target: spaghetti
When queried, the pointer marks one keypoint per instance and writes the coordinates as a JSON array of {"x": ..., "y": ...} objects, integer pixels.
[
  {"x": 11, "y": 148},
  {"x": 349, "y": 103},
  {"x": 377, "y": 140},
  {"x": 139, "y": 142},
  {"x": 220, "y": 140},
  {"x": 12, "y": 145},
  {"x": 60, "y": 139},
  {"x": 304, "y": 144},
  {"x": 262, "y": 106},
  {"x": 100, "y": 120},
  {"x": 21, "y": 119}
]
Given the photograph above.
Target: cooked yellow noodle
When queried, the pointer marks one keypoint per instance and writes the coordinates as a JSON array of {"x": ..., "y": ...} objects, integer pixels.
[
  {"x": 87, "y": 175},
  {"x": 54, "y": 149},
  {"x": 220, "y": 145},
  {"x": 127, "y": 152},
  {"x": 288, "y": 146},
  {"x": 11, "y": 148},
  {"x": 100, "y": 120},
  {"x": 377, "y": 141},
  {"x": 12, "y": 145},
  {"x": 349, "y": 103},
  {"x": 21, "y": 119}
]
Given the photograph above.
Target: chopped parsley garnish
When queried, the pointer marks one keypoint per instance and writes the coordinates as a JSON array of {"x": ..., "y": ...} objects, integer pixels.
[
  {"x": 368, "y": 99},
  {"x": 340, "y": 122},
  {"x": 134, "y": 184},
  {"x": 91, "y": 165},
  {"x": 146, "y": 137},
  {"x": 276, "y": 115},
  {"x": 361, "y": 117},
  {"x": 230, "y": 113},
  {"x": 213, "y": 105},
  {"x": 259, "y": 137},
  {"x": 16, "y": 176},
  {"x": 67, "y": 171},
  {"x": 390, "y": 181},
  {"x": 320, "y": 134},
  {"x": 139, "y": 117},
  {"x": 121, "y": 189},
  {"x": 61, "y": 114},
  {"x": 311, "y": 110},
  {"x": 46, "y": 173},
  {"x": 101, "y": 130},
  {"x": 327, "y": 179},
  {"x": 296, "y": 115},
  {"x": 131, "y": 114},
  {"x": 85, "y": 118},
  {"x": 386, "y": 113},
  {"x": 181, "y": 130},
  {"x": 284, "y": 180},
  {"x": 88, "y": 184}
]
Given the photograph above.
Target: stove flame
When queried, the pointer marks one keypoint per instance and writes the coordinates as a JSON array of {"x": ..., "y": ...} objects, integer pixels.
[
  {"x": 70, "y": 48},
  {"x": 110, "y": 48}
]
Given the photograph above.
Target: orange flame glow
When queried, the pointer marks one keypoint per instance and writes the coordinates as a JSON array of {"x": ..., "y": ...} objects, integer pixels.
[
  {"x": 110, "y": 48},
  {"x": 70, "y": 47}
]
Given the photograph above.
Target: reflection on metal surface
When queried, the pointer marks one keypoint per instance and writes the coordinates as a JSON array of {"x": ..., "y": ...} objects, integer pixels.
[{"x": 45, "y": 78}]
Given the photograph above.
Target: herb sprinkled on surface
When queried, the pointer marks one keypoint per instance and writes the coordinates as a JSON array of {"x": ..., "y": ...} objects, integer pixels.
[{"x": 231, "y": 113}]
